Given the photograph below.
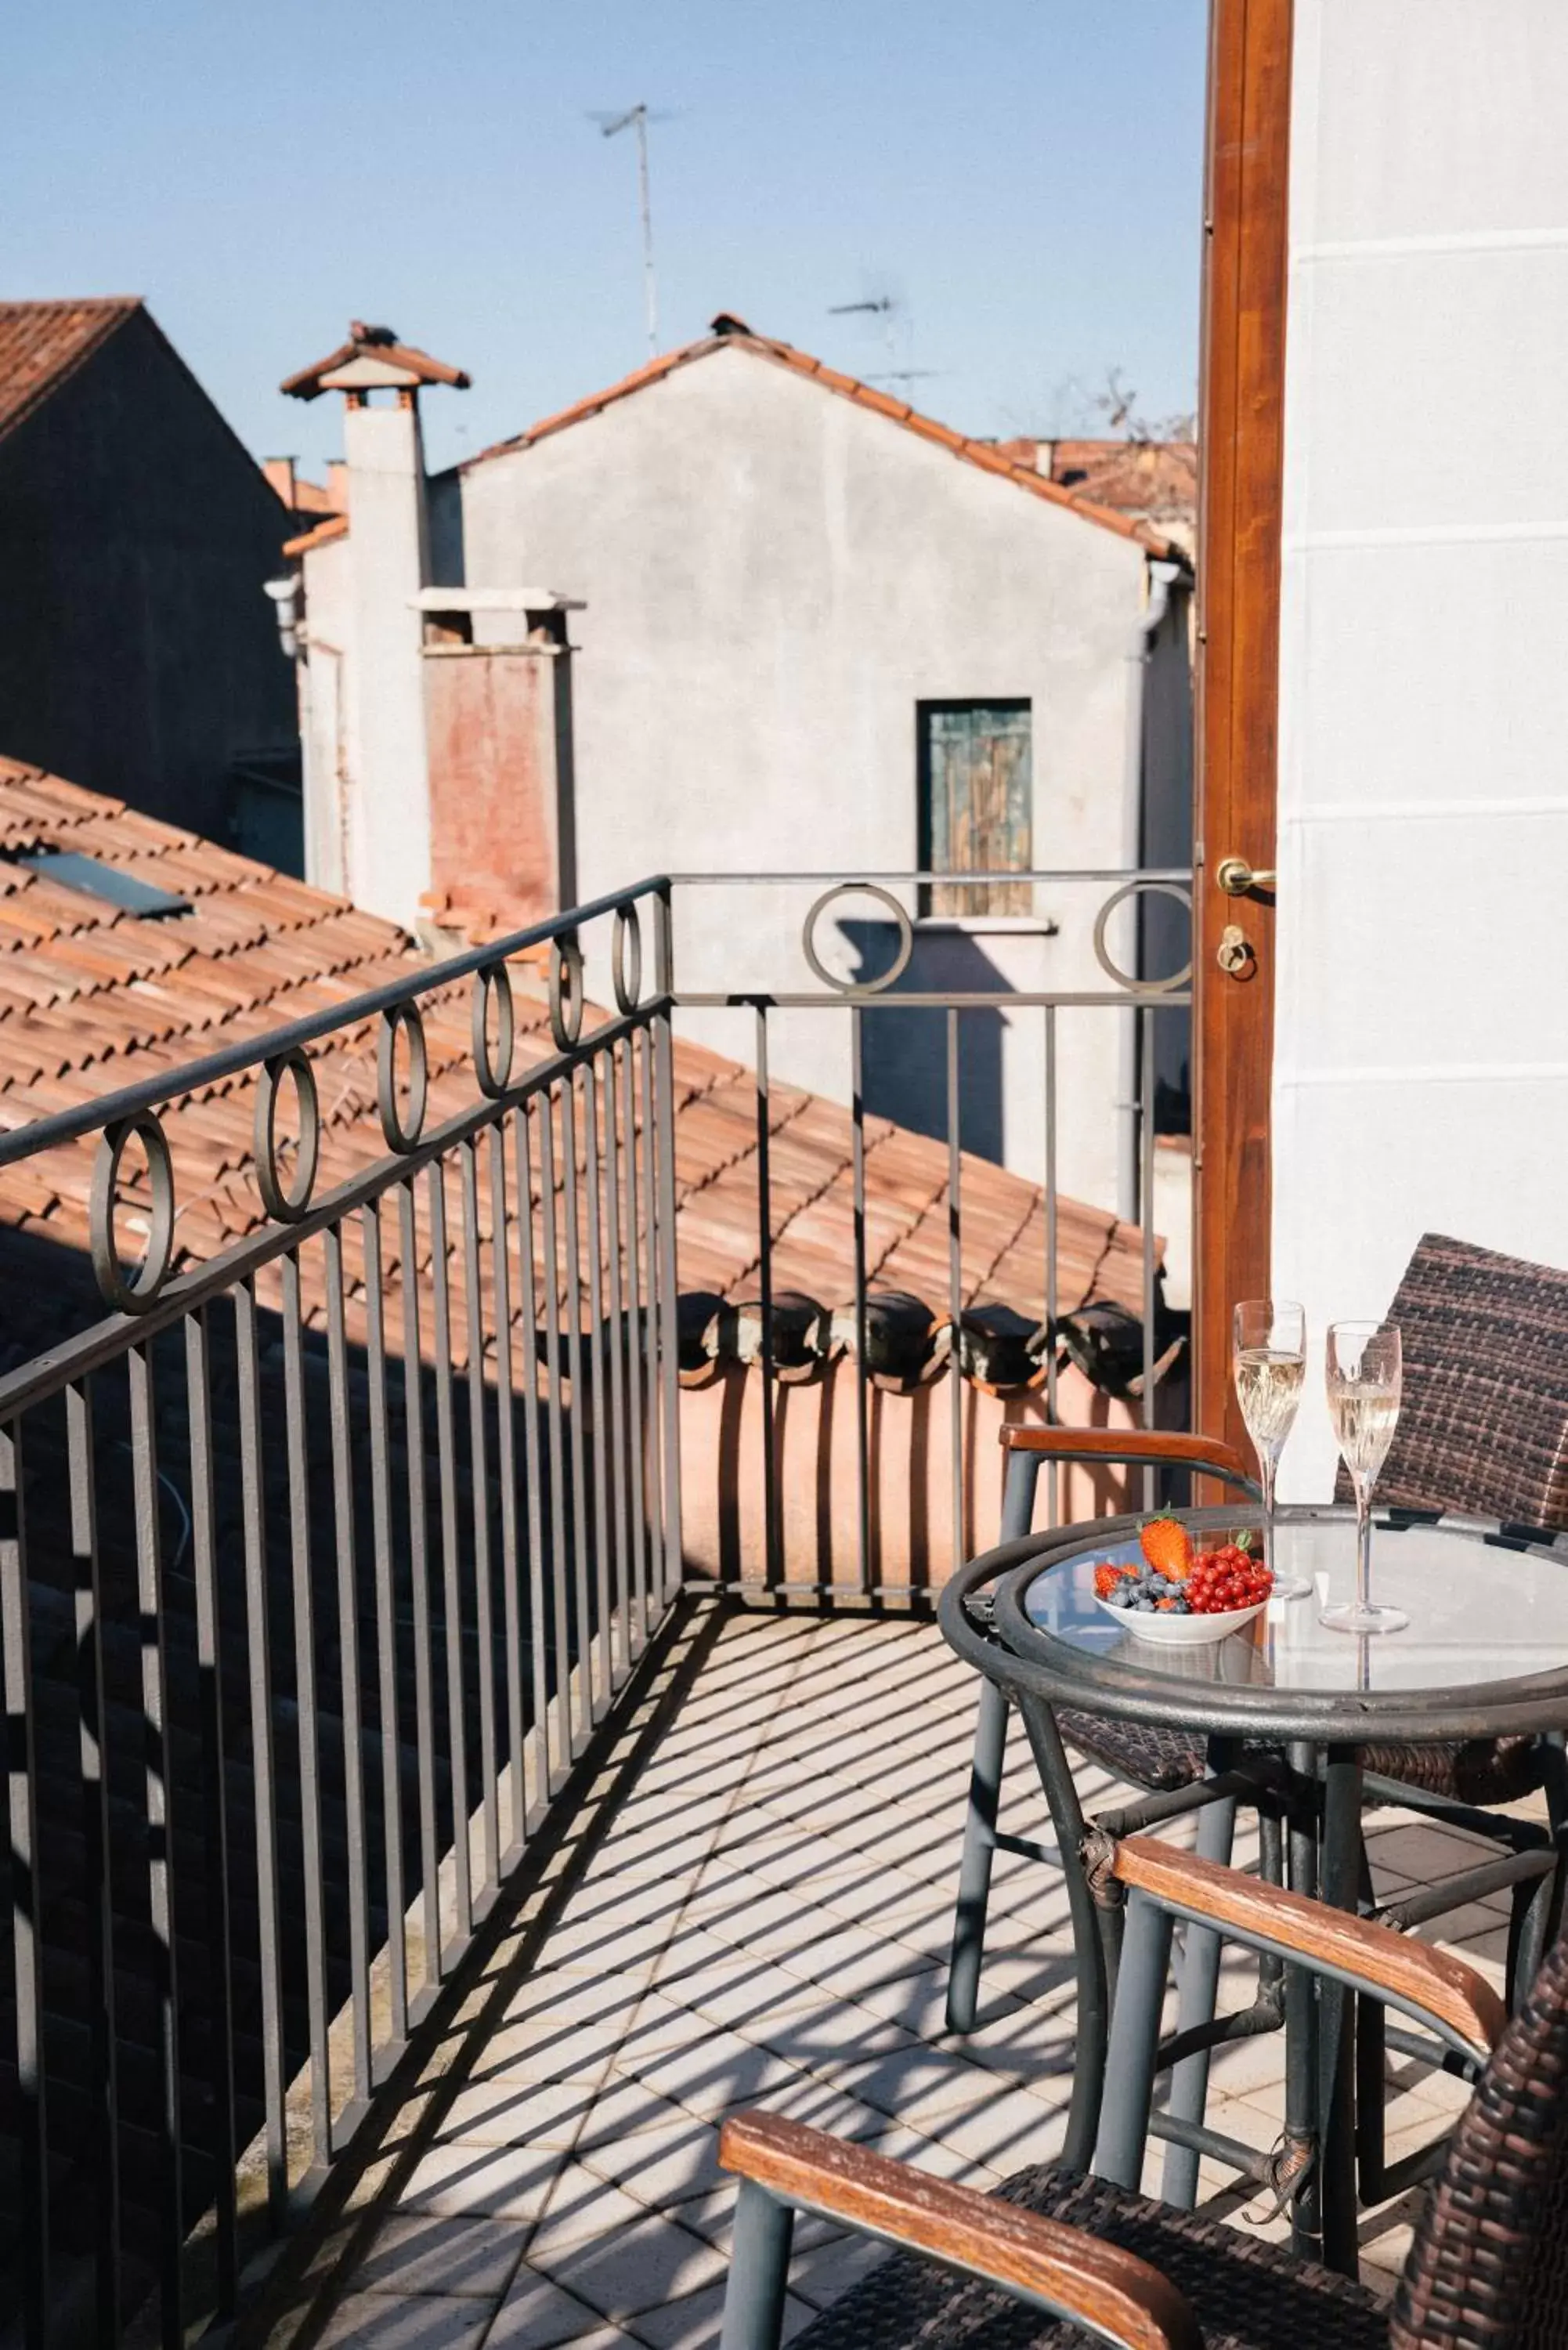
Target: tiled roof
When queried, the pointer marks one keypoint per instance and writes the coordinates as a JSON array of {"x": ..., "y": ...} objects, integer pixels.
[
  {"x": 372, "y": 343},
  {"x": 732, "y": 333},
  {"x": 41, "y": 343},
  {"x": 320, "y": 535},
  {"x": 93, "y": 998},
  {"x": 1155, "y": 480}
]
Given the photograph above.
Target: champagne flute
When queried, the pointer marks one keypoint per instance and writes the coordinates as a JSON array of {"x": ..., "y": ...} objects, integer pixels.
[
  {"x": 1269, "y": 1361},
  {"x": 1364, "y": 1367}
]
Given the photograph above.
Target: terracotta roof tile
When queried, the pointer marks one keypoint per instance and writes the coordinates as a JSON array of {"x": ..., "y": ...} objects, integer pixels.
[
  {"x": 91, "y": 998},
  {"x": 336, "y": 526},
  {"x": 42, "y": 343}
]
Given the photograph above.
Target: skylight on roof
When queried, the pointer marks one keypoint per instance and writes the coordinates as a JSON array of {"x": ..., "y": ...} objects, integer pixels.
[{"x": 73, "y": 870}]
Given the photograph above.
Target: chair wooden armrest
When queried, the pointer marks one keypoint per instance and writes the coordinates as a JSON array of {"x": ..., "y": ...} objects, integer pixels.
[
  {"x": 1166, "y": 1447},
  {"x": 1431, "y": 1985},
  {"x": 1115, "y": 2295}
]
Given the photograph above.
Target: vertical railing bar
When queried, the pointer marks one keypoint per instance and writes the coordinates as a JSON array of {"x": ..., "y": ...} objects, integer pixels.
[
  {"x": 506, "y": 1464},
  {"x": 419, "y": 1581},
  {"x": 669, "y": 1318},
  {"x": 214, "y": 1838},
  {"x": 773, "y": 1532},
  {"x": 1146, "y": 1217},
  {"x": 655, "y": 1452},
  {"x": 618, "y": 1346},
  {"x": 557, "y": 1564},
  {"x": 349, "y": 1662},
  {"x": 1053, "y": 1301},
  {"x": 263, "y": 1772},
  {"x": 160, "y": 1822},
  {"x": 452, "y": 1593},
  {"x": 484, "y": 1620},
  {"x": 296, "y": 1442},
  {"x": 17, "y": 1644},
  {"x": 955, "y": 1292},
  {"x": 637, "y": 1436},
  {"x": 386, "y": 1625},
  {"x": 601, "y": 1685},
  {"x": 862, "y": 1398},
  {"x": 99, "y": 1874},
  {"x": 538, "y": 1635},
  {"x": 581, "y": 1661}
]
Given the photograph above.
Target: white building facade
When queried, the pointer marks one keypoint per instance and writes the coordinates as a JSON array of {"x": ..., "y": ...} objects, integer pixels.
[
  {"x": 1421, "y": 1080},
  {"x": 787, "y": 593}
]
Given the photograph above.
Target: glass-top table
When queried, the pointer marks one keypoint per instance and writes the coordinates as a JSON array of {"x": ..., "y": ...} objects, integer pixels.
[
  {"x": 1481, "y": 1609},
  {"x": 1290, "y": 1711}
]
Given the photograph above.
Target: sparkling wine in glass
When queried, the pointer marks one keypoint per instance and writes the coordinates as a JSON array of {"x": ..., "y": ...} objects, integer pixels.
[
  {"x": 1269, "y": 1361},
  {"x": 1363, "y": 1366}
]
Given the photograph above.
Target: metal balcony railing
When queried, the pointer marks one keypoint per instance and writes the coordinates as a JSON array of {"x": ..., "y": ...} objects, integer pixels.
[{"x": 325, "y": 1553}]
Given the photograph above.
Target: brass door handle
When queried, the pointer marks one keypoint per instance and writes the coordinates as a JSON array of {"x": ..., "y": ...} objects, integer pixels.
[{"x": 1235, "y": 876}]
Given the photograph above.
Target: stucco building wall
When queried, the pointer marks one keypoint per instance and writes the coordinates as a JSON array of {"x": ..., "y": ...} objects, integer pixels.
[
  {"x": 773, "y": 579},
  {"x": 1420, "y": 1080}
]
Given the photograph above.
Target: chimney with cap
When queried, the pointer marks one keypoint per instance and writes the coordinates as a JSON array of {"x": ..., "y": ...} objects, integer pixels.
[{"x": 380, "y": 840}]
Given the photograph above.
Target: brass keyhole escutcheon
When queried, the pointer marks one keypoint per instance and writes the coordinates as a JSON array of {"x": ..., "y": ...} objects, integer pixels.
[{"x": 1234, "y": 953}]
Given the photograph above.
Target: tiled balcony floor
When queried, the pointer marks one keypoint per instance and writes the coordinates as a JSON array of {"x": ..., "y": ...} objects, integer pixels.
[{"x": 762, "y": 1919}]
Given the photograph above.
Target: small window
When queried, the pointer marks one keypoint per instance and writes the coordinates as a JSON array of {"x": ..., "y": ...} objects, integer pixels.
[{"x": 976, "y": 794}]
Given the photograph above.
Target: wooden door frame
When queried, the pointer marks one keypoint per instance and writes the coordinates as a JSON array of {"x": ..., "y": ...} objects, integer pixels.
[{"x": 1240, "y": 439}]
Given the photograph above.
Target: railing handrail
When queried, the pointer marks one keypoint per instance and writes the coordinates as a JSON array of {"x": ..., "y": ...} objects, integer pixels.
[
  {"x": 129, "y": 1101},
  {"x": 978, "y": 876}
]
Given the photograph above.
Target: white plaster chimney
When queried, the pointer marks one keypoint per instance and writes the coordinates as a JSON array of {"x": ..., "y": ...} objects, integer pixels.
[
  {"x": 390, "y": 826},
  {"x": 366, "y": 772}
]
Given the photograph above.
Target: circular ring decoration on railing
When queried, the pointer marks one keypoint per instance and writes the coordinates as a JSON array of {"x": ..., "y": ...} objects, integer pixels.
[
  {"x": 494, "y": 1075},
  {"x": 566, "y": 992},
  {"x": 403, "y": 1134},
  {"x": 627, "y": 991},
  {"x": 140, "y": 1292},
  {"x": 900, "y": 963},
  {"x": 286, "y": 1205},
  {"x": 1140, "y": 986}
]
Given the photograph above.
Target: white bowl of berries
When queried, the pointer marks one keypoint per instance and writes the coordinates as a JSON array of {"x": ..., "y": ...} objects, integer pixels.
[{"x": 1164, "y": 1589}]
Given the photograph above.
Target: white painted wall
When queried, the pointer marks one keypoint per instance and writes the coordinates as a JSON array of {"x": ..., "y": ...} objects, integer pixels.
[
  {"x": 1421, "y": 1076},
  {"x": 773, "y": 578},
  {"x": 329, "y": 737}
]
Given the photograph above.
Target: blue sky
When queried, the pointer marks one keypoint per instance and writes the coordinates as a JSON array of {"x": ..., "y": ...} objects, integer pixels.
[{"x": 1023, "y": 175}]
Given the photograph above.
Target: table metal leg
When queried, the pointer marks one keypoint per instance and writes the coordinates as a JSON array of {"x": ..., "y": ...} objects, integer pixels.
[
  {"x": 1300, "y": 2013},
  {"x": 985, "y": 1787},
  {"x": 979, "y": 1851},
  {"x": 1337, "y": 2011},
  {"x": 1094, "y": 1932}
]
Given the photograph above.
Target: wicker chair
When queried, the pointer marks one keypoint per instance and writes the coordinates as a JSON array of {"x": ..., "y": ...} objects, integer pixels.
[{"x": 1057, "y": 2259}]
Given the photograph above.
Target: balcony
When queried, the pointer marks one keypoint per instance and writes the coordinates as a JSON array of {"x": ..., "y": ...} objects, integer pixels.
[{"x": 464, "y": 1608}]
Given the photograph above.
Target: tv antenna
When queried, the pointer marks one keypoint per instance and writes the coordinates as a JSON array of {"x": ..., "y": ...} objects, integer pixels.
[
  {"x": 906, "y": 376},
  {"x": 885, "y": 307},
  {"x": 637, "y": 118},
  {"x": 894, "y": 312}
]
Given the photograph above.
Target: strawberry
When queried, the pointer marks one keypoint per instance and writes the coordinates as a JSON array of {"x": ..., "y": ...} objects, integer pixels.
[
  {"x": 1106, "y": 1578},
  {"x": 1168, "y": 1547}
]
